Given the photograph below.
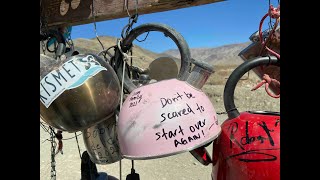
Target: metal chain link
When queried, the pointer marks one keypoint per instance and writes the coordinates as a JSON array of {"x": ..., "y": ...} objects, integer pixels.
[
  {"x": 43, "y": 31},
  {"x": 44, "y": 48},
  {"x": 132, "y": 19},
  {"x": 127, "y": 28},
  {"x": 53, "y": 162}
]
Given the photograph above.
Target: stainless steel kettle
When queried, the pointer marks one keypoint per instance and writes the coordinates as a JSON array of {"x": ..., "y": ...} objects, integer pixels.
[{"x": 78, "y": 92}]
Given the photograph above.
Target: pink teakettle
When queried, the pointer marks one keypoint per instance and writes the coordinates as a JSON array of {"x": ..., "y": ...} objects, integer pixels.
[{"x": 168, "y": 117}]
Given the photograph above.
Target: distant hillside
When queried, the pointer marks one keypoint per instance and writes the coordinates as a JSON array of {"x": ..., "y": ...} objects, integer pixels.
[
  {"x": 223, "y": 55},
  {"x": 93, "y": 46},
  {"x": 224, "y": 58}
]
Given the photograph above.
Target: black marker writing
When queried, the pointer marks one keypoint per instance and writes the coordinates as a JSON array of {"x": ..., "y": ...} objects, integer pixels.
[
  {"x": 183, "y": 141},
  {"x": 200, "y": 108},
  {"x": 165, "y": 101},
  {"x": 170, "y": 134},
  {"x": 136, "y": 98},
  {"x": 189, "y": 95},
  {"x": 247, "y": 156},
  {"x": 267, "y": 130},
  {"x": 174, "y": 114}
]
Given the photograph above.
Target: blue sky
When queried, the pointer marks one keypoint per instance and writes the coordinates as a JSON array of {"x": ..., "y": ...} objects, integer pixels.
[{"x": 210, "y": 25}]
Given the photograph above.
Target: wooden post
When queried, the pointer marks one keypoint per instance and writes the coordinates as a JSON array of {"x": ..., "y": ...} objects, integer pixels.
[{"x": 76, "y": 12}]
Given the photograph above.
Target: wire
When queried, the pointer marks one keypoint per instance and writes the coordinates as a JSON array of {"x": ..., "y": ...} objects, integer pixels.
[
  {"x": 78, "y": 144},
  {"x": 95, "y": 26},
  {"x": 44, "y": 127},
  {"x": 132, "y": 19},
  {"x": 126, "y": 4},
  {"x": 72, "y": 137},
  {"x": 144, "y": 38}
]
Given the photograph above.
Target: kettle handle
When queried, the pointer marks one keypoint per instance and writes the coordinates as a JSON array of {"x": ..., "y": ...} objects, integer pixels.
[
  {"x": 58, "y": 35},
  {"x": 60, "y": 39},
  {"x": 228, "y": 94},
  {"x": 168, "y": 31}
]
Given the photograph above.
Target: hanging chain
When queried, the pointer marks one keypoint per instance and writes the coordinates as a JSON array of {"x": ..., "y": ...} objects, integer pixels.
[
  {"x": 132, "y": 19},
  {"x": 127, "y": 28},
  {"x": 43, "y": 46},
  {"x": 53, "y": 162}
]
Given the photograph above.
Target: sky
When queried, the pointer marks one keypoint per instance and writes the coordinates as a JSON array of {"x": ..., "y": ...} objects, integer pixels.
[{"x": 204, "y": 26}]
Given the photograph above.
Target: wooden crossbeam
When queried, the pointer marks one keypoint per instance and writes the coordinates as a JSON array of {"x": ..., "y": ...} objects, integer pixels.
[{"x": 76, "y": 12}]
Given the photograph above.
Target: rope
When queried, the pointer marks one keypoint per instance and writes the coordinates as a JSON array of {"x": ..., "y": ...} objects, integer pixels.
[
  {"x": 125, "y": 58},
  {"x": 275, "y": 14},
  {"x": 267, "y": 80},
  {"x": 132, "y": 19}
]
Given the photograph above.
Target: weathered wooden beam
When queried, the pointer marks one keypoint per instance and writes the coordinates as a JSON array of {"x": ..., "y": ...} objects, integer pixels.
[{"x": 76, "y": 12}]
